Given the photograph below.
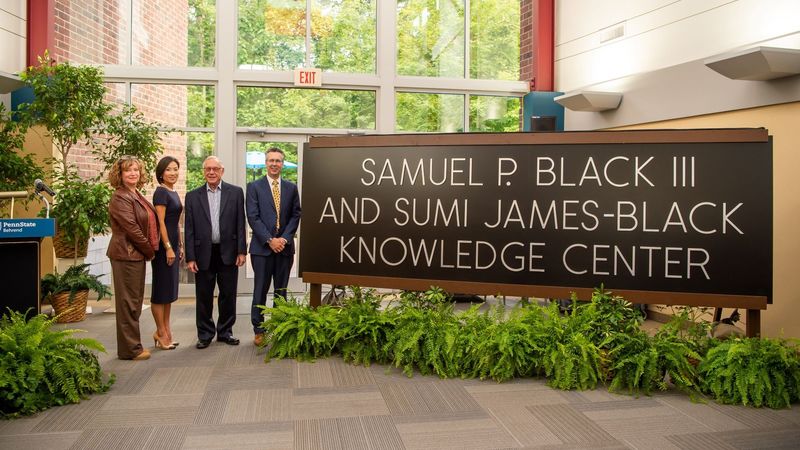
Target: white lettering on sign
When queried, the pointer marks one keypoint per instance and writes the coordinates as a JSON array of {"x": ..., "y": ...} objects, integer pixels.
[{"x": 307, "y": 77}]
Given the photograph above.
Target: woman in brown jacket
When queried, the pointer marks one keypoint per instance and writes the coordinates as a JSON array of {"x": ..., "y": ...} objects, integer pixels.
[{"x": 134, "y": 240}]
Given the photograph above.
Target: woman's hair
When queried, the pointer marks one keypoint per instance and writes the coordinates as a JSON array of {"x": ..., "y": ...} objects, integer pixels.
[
  {"x": 162, "y": 166},
  {"x": 123, "y": 163}
]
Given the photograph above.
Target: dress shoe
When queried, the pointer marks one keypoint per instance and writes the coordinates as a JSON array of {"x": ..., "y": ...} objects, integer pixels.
[
  {"x": 230, "y": 340},
  {"x": 160, "y": 344},
  {"x": 203, "y": 343},
  {"x": 145, "y": 354},
  {"x": 259, "y": 339}
]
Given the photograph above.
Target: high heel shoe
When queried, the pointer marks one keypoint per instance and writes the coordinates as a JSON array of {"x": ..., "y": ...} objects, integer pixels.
[{"x": 159, "y": 345}]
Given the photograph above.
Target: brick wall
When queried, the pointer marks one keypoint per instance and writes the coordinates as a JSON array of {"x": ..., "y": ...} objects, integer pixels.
[
  {"x": 526, "y": 40},
  {"x": 96, "y": 32}
]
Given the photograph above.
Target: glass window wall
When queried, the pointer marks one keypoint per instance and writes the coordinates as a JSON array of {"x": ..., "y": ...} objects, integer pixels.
[
  {"x": 305, "y": 108},
  {"x": 443, "y": 113},
  {"x": 341, "y": 35},
  {"x": 430, "y": 38}
]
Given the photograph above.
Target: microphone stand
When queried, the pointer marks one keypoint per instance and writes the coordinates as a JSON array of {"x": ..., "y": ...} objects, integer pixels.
[{"x": 46, "y": 202}]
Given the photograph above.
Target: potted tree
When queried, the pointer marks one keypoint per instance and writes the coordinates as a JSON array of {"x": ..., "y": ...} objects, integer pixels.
[
  {"x": 68, "y": 292},
  {"x": 69, "y": 104}
]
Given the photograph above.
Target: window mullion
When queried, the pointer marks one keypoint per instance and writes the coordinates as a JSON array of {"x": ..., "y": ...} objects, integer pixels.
[{"x": 308, "y": 33}]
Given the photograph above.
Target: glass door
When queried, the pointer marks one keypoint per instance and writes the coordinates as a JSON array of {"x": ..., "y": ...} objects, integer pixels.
[{"x": 253, "y": 147}]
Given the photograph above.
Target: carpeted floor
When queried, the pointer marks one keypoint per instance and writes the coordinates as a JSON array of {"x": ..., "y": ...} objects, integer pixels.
[{"x": 226, "y": 397}]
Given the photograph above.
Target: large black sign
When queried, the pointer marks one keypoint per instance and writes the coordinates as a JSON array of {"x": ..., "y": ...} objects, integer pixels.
[{"x": 650, "y": 216}]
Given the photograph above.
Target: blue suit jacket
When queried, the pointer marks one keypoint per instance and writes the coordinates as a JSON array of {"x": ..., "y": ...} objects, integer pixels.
[
  {"x": 261, "y": 214},
  {"x": 197, "y": 232}
]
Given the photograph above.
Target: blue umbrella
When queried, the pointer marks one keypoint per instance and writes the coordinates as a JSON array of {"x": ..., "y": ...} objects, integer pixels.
[{"x": 257, "y": 160}]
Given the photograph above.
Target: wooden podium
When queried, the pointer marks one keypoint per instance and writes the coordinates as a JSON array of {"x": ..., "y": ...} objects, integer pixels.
[{"x": 20, "y": 258}]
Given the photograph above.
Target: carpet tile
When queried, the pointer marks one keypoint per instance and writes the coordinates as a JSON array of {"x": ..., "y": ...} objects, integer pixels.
[{"x": 227, "y": 397}]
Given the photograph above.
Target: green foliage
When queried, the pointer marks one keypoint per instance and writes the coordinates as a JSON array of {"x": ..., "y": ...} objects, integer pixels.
[
  {"x": 570, "y": 359},
  {"x": 611, "y": 314},
  {"x": 17, "y": 170},
  {"x": 202, "y": 33},
  {"x": 129, "y": 133},
  {"x": 69, "y": 103},
  {"x": 348, "y": 43},
  {"x": 753, "y": 371},
  {"x": 494, "y": 114},
  {"x": 688, "y": 325},
  {"x": 305, "y": 108},
  {"x": 74, "y": 279},
  {"x": 494, "y": 39},
  {"x": 425, "y": 335},
  {"x": 500, "y": 348},
  {"x": 362, "y": 328},
  {"x": 297, "y": 331},
  {"x": 596, "y": 341},
  {"x": 200, "y": 146},
  {"x": 41, "y": 367},
  {"x": 677, "y": 359},
  {"x": 81, "y": 208},
  {"x": 632, "y": 363}
]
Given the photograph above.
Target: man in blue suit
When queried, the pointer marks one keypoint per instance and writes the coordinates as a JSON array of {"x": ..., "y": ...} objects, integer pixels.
[
  {"x": 273, "y": 211},
  {"x": 215, "y": 249}
]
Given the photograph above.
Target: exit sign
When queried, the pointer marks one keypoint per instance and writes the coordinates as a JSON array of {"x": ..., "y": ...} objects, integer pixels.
[{"x": 307, "y": 77}]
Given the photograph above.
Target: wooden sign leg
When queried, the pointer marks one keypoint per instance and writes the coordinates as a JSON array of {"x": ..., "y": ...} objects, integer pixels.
[
  {"x": 315, "y": 299},
  {"x": 753, "y": 328}
]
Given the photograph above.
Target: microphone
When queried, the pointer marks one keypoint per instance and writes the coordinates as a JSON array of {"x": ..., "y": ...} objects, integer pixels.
[{"x": 40, "y": 186}]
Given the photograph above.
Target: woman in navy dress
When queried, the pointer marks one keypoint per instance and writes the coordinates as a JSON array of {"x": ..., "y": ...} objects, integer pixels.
[{"x": 169, "y": 254}]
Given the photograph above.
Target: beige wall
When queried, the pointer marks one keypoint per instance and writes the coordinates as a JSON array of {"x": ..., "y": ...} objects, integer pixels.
[
  {"x": 783, "y": 123},
  {"x": 600, "y": 41},
  {"x": 41, "y": 146}
]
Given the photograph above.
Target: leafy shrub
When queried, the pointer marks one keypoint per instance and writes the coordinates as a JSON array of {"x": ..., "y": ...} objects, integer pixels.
[
  {"x": 41, "y": 367},
  {"x": 611, "y": 314},
  {"x": 498, "y": 347},
  {"x": 75, "y": 278},
  {"x": 753, "y": 371},
  {"x": 297, "y": 331},
  {"x": 596, "y": 341},
  {"x": 632, "y": 363},
  {"x": 569, "y": 358},
  {"x": 638, "y": 363},
  {"x": 425, "y": 335},
  {"x": 362, "y": 329}
]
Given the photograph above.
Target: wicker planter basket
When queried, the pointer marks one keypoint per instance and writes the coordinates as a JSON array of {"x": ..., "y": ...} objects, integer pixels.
[
  {"x": 64, "y": 250},
  {"x": 69, "y": 312}
]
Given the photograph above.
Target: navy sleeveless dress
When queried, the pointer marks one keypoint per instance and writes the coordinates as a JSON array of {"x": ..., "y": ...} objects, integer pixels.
[{"x": 165, "y": 277}]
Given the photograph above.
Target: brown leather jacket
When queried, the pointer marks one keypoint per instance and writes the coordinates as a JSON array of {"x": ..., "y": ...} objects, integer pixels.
[{"x": 129, "y": 227}]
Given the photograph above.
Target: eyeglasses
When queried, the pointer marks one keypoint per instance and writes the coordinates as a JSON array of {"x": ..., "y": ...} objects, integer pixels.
[{"x": 212, "y": 169}]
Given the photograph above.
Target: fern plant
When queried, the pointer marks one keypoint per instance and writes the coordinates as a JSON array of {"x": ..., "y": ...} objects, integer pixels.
[
  {"x": 569, "y": 358},
  {"x": 362, "y": 328},
  {"x": 631, "y": 363},
  {"x": 753, "y": 371},
  {"x": 75, "y": 278},
  {"x": 639, "y": 364},
  {"x": 506, "y": 347},
  {"x": 295, "y": 330},
  {"x": 425, "y": 335},
  {"x": 41, "y": 367},
  {"x": 473, "y": 331}
]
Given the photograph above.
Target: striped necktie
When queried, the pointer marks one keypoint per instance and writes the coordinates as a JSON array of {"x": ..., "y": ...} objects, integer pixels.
[{"x": 276, "y": 196}]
